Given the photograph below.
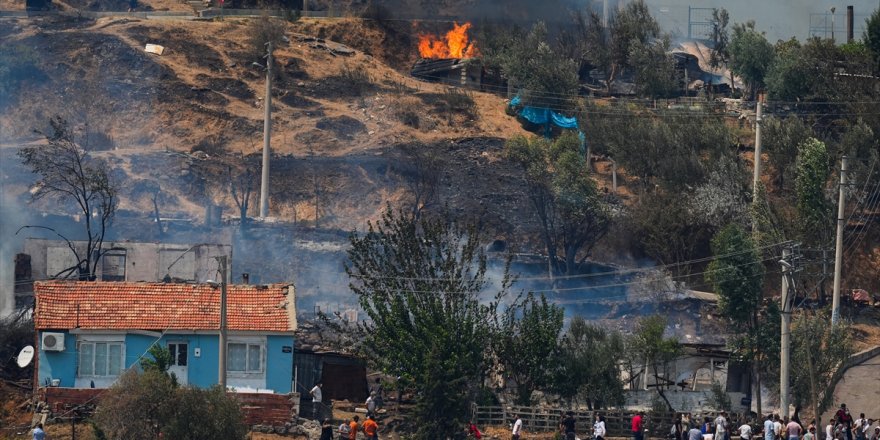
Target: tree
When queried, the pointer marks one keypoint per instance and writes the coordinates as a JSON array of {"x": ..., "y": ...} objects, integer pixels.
[
  {"x": 242, "y": 185},
  {"x": 813, "y": 207},
  {"x": 571, "y": 212},
  {"x": 782, "y": 137},
  {"x": 817, "y": 351},
  {"x": 547, "y": 78},
  {"x": 872, "y": 36},
  {"x": 648, "y": 345},
  {"x": 150, "y": 405},
  {"x": 750, "y": 55},
  {"x": 71, "y": 177},
  {"x": 587, "y": 365},
  {"x": 421, "y": 284},
  {"x": 161, "y": 359},
  {"x": 654, "y": 68},
  {"x": 720, "y": 55},
  {"x": 422, "y": 176},
  {"x": 527, "y": 337},
  {"x": 611, "y": 48},
  {"x": 737, "y": 275}
]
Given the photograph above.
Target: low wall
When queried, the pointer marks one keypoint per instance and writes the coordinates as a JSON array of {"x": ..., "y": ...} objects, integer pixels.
[{"x": 258, "y": 408}]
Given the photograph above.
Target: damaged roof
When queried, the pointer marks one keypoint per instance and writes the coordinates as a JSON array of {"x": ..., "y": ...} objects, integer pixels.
[{"x": 67, "y": 305}]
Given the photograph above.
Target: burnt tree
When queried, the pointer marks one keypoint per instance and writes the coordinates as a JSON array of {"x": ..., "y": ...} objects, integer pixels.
[{"x": 69, "y": 175}]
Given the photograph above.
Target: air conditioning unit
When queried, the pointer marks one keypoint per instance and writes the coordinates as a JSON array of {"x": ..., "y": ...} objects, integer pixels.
[{"x": 53, "y": 341}]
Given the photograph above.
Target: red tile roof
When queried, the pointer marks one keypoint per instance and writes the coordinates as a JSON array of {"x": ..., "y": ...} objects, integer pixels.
[{"x": 62, "y": 305}]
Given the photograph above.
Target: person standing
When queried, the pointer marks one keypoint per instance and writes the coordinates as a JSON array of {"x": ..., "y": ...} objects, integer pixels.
[
  {"x": 745, "y": 431},
  {"x": 858, "y": 425},
  {"x": 793, "y": 429},
  {"x": 371, "y": 405},
  {"x": 720, "y": 426},
  {"x": 829, "y": 430},
  {"x": 326, "y": 430},
  {"x": 638, "y": 425},
  {"x": 377, "y": 393},
  {"x": 777, "y": 427},
  {"x": 473, "y": 431},
  {"x": 371, "y": 428},
  {"x": 695, "y": 433},
  {"x": 811, "y": 433},
  {"x": 517, "y": 427},
  {"x": 343, "y": 431},
  {"x": 317, "y": 398},
  {"x": 599, "y": 428},
  {"x": 39, "y": 434},
  {"x": 353, "y": 428},
  {"x": 567, "y": 426},
  {"x": 769, "y": 429}
]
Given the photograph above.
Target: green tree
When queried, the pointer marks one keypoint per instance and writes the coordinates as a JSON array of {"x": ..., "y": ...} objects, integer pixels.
[
  {"x": 75, "y": 180},
  {"x": 527, "y": 338},
  {"x": 813, "y": 207},
  {"x": 572, "y": 214},
  {"x": 161, "y": 359},
  {"x": 872, "y": 36},
  {"x": 720, "y": 55},
  {"x": 750, "y": 55},
  {"x": 654, "y": 69},
  {"x": 782, "y": 138},
  {"x": 587, "y": 365},
  {"x": 420, "y": 282},
  {"x": 611, "y": 48},
  {"x": 648, "y": 345},
  {"x": 817, "y": 351},
  {"x": 737, "y": 275},
  {"x": 547, "y": 79}
]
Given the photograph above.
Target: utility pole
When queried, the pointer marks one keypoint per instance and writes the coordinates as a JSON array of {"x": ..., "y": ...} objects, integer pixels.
[
  {"x": 838, "y": 251},
  {"x": 267, "y": 135},
  {"x": 756, "y": 179},
  {"x": 785, "y": 342},
  {"x": 221, "y": 373}
]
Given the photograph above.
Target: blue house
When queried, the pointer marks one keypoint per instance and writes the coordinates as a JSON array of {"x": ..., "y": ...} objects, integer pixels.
[{"x": 89, "y": 333}]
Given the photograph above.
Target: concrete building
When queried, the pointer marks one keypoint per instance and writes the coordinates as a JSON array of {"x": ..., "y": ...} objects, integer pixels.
[{"x": 44, "y": 259}]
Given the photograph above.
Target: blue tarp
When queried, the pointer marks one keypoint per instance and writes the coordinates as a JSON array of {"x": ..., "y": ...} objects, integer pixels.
[{"x": 545, "y": 116}]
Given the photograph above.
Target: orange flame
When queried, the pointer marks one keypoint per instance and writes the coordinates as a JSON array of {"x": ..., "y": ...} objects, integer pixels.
[{"x": 454, "y": 45}]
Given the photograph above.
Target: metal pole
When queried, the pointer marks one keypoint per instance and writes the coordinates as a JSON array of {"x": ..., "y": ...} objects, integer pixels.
[
  {"x": 221, "y": 373},
  {"x": 605, "y": 14},
  {"x": 756, "y": 179},
  {"x": 267, "y": 135},
  {"x": 784, "y": 343},
  {"x": 838, "y": 251}
]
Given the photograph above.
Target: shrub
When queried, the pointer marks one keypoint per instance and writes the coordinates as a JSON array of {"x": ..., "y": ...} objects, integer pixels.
[
  {"x": 356, "y": 78},
  {"x": 263, "y": 30},
  {"x": 455, "y": 101}
]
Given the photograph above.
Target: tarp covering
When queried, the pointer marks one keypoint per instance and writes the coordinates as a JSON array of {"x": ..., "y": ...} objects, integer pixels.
[{"x": 545, "y": 116}]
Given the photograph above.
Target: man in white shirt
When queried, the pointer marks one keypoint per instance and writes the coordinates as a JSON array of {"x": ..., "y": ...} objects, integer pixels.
[
  {"x": 858, "y": 427},
  {"x": 745, "y": 432},
  {"x": 517, "y": 427},
  {"x": 777, "y": 427},
  {"x": 721, "y": 426},
  {"x": 316, "y": 400},
  {"x": 829, "y": 431}
]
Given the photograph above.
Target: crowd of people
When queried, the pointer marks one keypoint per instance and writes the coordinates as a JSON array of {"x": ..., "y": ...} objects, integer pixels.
[
  {"x": 843, "y": 426},
  {"x": 350, "y": 429}
]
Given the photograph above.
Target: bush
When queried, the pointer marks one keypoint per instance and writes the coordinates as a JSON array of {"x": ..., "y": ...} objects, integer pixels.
[
  {"x": 455, "y": 101},
  {"x": 356, "y": 78},
  {"x": 263, "y": 30},
  {"x": 141, "y": 406}
]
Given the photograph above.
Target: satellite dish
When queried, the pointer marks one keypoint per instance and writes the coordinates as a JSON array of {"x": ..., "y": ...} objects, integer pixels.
[{"x": 25, "y": 356}]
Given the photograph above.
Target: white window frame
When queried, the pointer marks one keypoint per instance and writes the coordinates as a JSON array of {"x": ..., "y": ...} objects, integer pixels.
[
  {"x": 94, "y": 341},
  {"x": 248, "y": 343}
]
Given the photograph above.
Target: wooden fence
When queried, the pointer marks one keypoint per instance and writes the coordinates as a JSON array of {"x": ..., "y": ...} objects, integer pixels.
[{"x": 543, "y": 419}]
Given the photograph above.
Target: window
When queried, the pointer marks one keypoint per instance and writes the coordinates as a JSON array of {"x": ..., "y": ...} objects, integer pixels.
[
  {"x": 178, "y": 353},
  {"x": 113, "y": 265},
  {"x": 100, "y": 359},
  {"x": 245, "y": 358}
]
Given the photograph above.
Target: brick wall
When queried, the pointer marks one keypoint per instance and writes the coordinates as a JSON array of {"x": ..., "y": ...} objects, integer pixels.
[{"x": 259, "y": 409}]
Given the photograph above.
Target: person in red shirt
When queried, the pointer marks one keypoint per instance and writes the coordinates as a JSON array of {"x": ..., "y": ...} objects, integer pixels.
[
  {"x": 371, "y": 428},
  {"x": 353, "y": 428},
  {"x": 638, "y": 426},
  {"x": 474, "y": 431}
]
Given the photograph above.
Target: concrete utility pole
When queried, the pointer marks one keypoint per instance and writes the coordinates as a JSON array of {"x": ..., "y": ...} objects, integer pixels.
[
  {"x": 267, "y": 135},
  {"x": 756, "y": 179},
  {"x": 785, "y": 342},
  {"x": 221, "y": 373},
  {"x": 838, "y": 251}
]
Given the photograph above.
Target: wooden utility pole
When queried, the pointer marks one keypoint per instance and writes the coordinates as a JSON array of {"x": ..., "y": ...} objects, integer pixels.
[
  {"x": 838, "y": 251},
  {"x": 785, "y": 341},
  {"x": 267, "y": 135}
]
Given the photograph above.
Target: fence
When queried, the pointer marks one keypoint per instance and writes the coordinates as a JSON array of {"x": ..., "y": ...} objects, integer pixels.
[{"x": 543, "y": 419}]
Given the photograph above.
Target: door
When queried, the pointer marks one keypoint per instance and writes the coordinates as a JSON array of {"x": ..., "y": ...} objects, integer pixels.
[{"x": 179, "y": 360}]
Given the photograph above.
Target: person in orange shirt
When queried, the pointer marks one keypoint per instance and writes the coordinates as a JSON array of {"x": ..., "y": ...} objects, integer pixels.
[
  {"x": 371, "y": 428},
  {"x": 353, "y": 428}
]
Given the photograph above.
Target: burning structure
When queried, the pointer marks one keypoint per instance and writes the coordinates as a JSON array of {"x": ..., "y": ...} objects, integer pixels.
[{"x": 451, "y": 58}]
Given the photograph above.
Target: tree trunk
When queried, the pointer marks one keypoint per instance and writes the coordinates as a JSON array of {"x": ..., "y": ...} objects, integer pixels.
[
  {"x": 757, "y": 371},
  {"x": 156, "y": 214},
  {"x": 814, "y": 396}
]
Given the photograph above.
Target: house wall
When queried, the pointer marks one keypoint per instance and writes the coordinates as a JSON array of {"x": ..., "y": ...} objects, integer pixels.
[
  {"x": 202, "y": 370},
  {"x": 143, "y": 261}
]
